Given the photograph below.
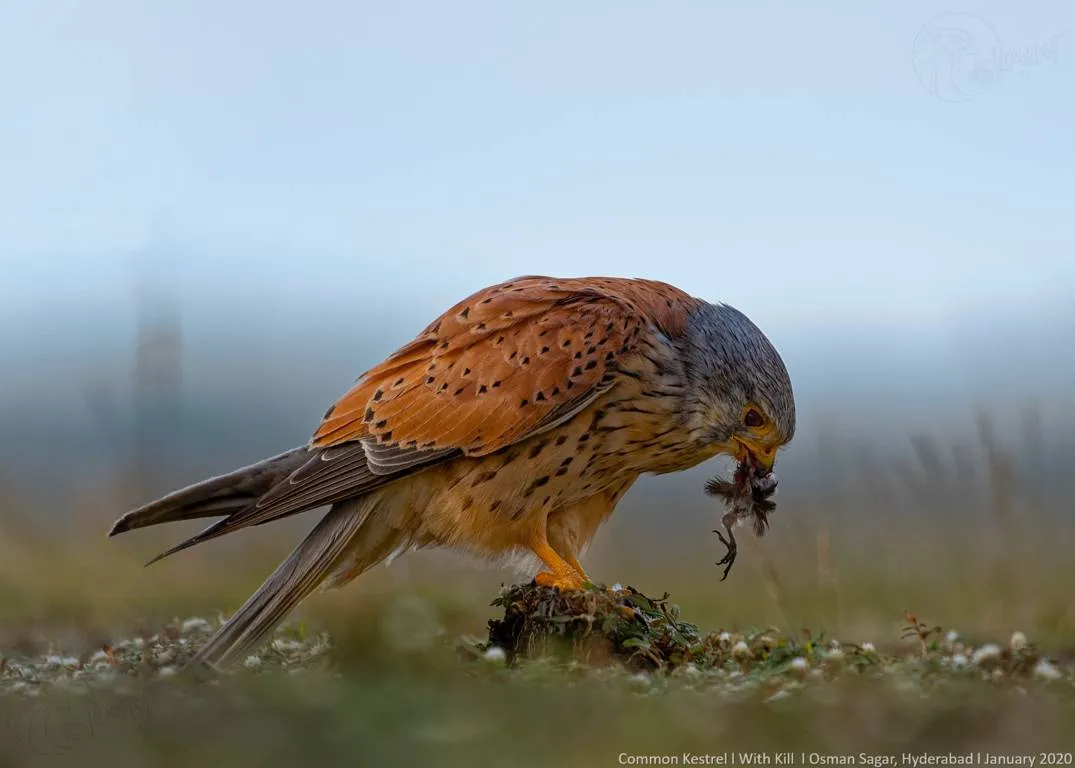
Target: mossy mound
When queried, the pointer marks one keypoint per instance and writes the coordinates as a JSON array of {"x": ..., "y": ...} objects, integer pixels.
[
  {"x": 601, "y": 627},
  {"x": 597, "y": 626}
]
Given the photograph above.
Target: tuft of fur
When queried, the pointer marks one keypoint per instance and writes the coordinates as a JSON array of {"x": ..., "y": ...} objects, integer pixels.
[{"x": 747, "y": 497}]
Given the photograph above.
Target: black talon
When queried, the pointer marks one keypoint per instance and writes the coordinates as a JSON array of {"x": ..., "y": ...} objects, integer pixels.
[{"x": 729, "y": 557}]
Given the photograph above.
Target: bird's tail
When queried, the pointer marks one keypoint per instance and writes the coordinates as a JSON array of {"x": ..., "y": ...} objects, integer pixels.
[
  {"x": 217, "y": 496},
  {"x": 351, "y": 538}
]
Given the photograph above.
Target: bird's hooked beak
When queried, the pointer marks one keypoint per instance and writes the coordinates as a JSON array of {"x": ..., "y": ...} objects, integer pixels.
[{"x": 761, "y": 456}]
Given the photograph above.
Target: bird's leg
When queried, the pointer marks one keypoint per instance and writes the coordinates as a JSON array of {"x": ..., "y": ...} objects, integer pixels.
[
  {"x": 563, "y": 540},
  {"x": 574, "y": 563},
  {"x": 728, "y": 520},
  {"x": 560, "y": 574}
]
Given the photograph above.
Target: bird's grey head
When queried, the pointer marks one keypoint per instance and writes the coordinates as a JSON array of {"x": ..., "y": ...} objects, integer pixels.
[{"x": 739, "y": 392}]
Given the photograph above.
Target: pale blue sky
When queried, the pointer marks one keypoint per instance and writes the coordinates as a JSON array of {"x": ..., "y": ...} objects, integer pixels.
[
  {"x": 784, "y": 158},
  {"x": 886, "y": 188}
]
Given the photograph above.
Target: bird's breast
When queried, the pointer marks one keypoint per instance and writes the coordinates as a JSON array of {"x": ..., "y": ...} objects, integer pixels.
[{"x": 634, "y": 428}]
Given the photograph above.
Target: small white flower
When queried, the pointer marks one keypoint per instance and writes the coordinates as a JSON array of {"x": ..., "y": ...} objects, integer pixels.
[
  {"x": 836, "y": 654},
  {"x": 105, "y": 676},
  {"x": 959, "y": 660},
  {"x": 1046, "y": 671},
  {"x": 799, "y": 665},
  {"x": 495, "y": 654},
  {"x": 740, "y": 649},
  {"x": 952, "y": 636},
  {"x": 987, "y": 652},
  {"x": 196, "y": 624},
  {"x": 617, "y": 587},
  {"x": 724, "y": 638},
  {"x": 1018, "y": 641},
  {"x": 868, "y": 648}
]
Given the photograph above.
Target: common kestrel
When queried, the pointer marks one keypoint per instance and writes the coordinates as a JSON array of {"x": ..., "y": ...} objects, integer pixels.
[{"x": 511, "y": 425}]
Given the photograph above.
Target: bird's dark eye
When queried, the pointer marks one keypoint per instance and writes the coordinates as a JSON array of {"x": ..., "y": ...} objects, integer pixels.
[{"x": 753, "y": 419}]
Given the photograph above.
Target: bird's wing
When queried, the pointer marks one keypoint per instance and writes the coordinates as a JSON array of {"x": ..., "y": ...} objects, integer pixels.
[
  {"x": 503, "y": 364},
  {"x": 507, "y": 363}
]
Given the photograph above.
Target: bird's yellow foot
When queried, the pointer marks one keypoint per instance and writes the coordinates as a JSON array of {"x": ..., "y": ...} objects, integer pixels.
[
  {"x": 560, "y": 574},
  {"x": 579, "y": 569},
  {"x": 565, "y": 581}
]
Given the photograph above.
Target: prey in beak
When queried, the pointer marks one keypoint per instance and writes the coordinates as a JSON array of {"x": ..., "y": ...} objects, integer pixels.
[
  {"x": 747, "y": 496},
  {"x": 760, "y": 456}
]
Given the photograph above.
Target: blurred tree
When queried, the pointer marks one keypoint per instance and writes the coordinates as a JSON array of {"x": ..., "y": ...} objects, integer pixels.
[{"x": 158, "y": 367}]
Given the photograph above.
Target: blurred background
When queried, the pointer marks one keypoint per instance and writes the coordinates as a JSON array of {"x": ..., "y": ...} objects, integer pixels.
[{"x": 214, "y": 217}]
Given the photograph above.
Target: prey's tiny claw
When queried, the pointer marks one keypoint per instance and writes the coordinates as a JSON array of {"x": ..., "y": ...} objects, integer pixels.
[{"x": 729, "y": 556}]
